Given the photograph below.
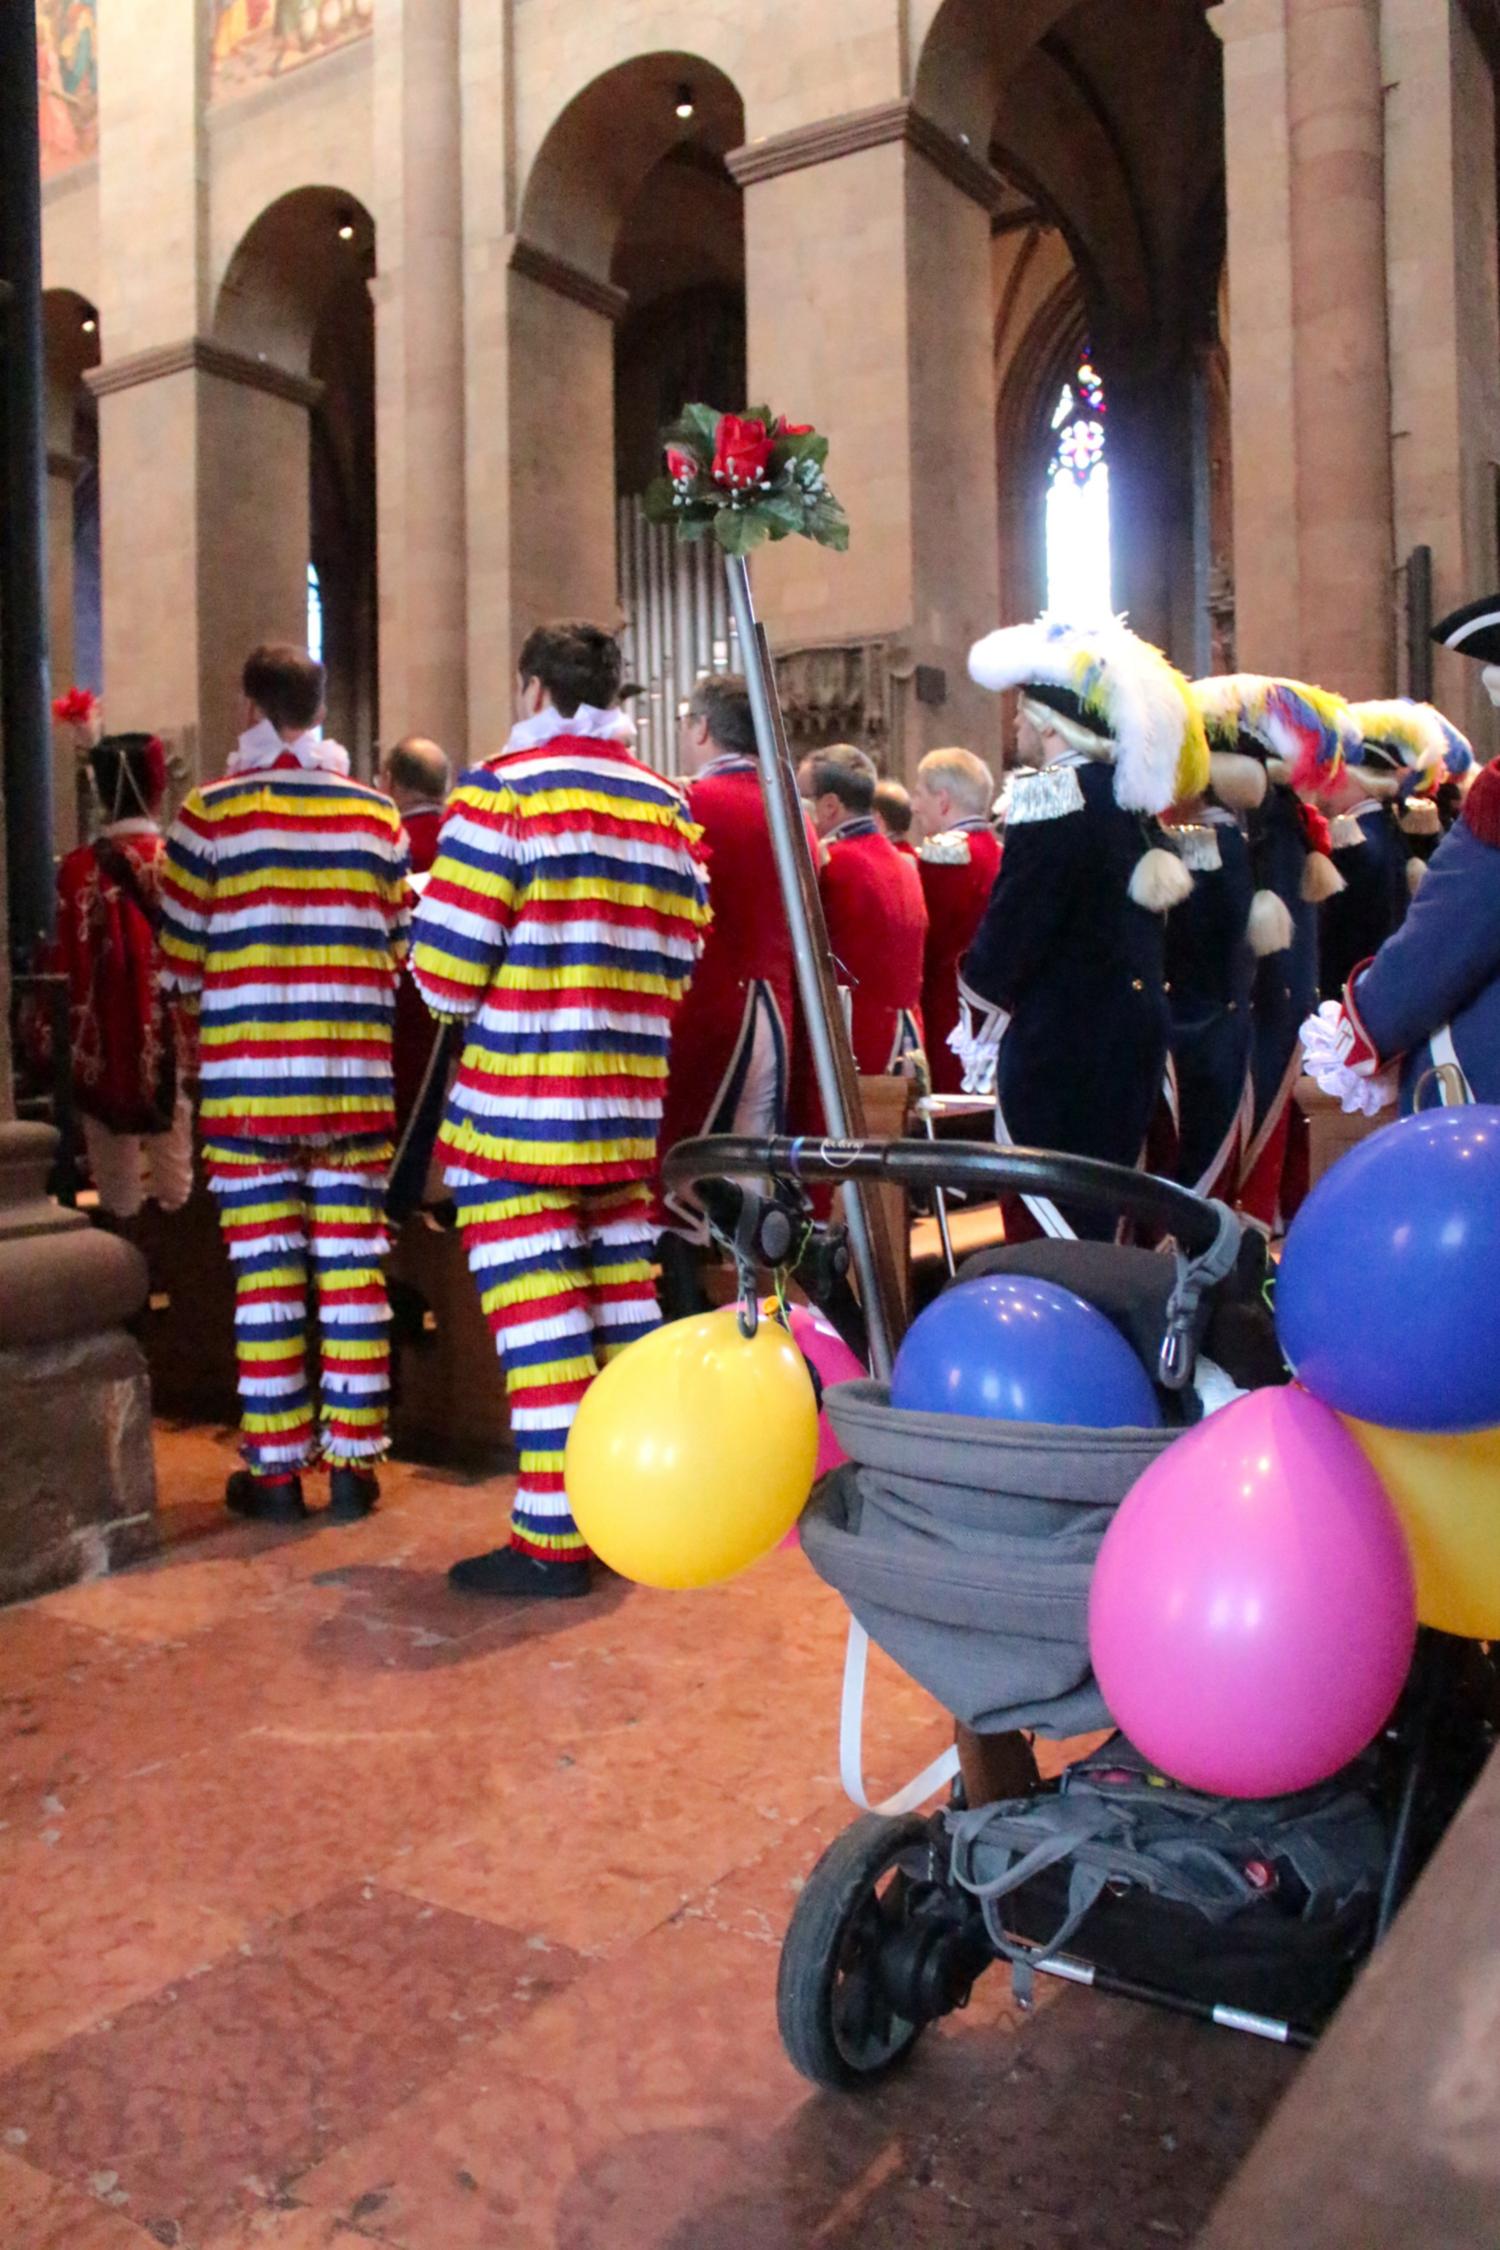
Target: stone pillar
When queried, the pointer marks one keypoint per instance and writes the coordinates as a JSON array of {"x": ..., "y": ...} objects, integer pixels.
[
  {"x": 1340, "y": 376},
  {"x": 1308, "y": 344},
  {"x": 152, "y": 265},
  {"x": 419, "y": 363},
  {"x": 1444, "y": 318},
  {"x": 869, "y": 309}
]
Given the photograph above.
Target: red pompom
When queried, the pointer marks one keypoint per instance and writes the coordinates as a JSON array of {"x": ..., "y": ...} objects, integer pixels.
[
  {"x": 1316, "y": 833},
  {"x": 1482, "y": 808},
  {"x": 154, "y": 759}
]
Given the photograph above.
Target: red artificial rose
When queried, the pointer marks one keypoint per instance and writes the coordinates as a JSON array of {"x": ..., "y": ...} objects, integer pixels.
[
  {"x": 681, "y": 467},
  {"x": 76, "y": 708},
  {"x": 742, "y": 450},
  {"x": 784, "y": 428}
]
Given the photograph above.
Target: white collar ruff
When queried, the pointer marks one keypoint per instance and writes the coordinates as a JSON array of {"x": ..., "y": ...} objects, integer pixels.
[
  {"x": 588, "y": 723},
  {"x": 260, "y": 747}
]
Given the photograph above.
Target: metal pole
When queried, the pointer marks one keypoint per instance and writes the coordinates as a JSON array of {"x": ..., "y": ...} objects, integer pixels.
[
  {"x": 1419, "y": 624},
  {"x": 833, "y": 1061},
  {"x": 25, "y": 687}
]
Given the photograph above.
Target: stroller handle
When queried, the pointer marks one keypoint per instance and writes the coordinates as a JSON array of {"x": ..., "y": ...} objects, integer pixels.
[{"x": 978, "y": 1166}]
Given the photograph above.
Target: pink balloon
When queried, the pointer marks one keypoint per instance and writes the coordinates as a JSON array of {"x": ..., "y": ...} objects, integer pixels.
[
  {"x": 824, "y": 1349},
  {"x": 1252, "y": 1614}
]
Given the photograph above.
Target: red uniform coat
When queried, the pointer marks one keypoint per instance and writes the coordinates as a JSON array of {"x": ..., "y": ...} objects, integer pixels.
[
  {"x": 121, "y": 1033},
  {"x": 877, "y": 928},
  {"x": 747, "y": 954},
  {"x": 958, "y": 871},
  {"x": 415, "y": 1029}
]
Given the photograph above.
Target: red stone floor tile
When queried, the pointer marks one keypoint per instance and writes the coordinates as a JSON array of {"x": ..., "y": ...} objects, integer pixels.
[
  {"x": 38, "y": 2213},
  {"x": 211, "y": 2098}
]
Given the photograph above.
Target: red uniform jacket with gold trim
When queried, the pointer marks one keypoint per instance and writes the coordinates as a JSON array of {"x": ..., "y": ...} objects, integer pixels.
[{"x": 958, "y": 871}]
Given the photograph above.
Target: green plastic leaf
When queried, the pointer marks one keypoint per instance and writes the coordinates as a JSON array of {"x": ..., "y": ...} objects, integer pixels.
[
  {"x": 659, "y": 501},
  {"x": 699, "y": 425}
]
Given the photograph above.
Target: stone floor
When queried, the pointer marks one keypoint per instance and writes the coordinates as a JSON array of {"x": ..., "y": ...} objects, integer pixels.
[{"x": 338, "y": 1909}]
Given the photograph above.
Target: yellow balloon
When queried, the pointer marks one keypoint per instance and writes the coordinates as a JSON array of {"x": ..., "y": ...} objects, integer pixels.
[
  {"x": 692, "y": 1454},
  {"x": 1446, "y": 1490}
]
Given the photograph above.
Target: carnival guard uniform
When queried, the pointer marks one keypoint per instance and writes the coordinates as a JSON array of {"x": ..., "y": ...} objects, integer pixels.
[
  {"x": 1301, "y": 735},
  {"x": 1069, "y": 959},
  {"x": 561, "y": 921},
  {"x": 285, "y": 921}
]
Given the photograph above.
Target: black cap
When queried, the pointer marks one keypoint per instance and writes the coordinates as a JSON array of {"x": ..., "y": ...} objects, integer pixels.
[{"x": 1473, "y": 630}]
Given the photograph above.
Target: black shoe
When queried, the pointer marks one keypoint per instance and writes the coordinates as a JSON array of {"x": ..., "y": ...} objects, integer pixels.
[
  {"x": 510, "y": 1570},
  {"x": 352, "y": 1493},
  {"x": 265, "y": 1499}
]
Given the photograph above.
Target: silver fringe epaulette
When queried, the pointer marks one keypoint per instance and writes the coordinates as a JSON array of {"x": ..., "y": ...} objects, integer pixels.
[
  {"x": 950, "y": 849},
  {"x": 1047, "y": 795},
  {"x": 1198, "y": 848}
]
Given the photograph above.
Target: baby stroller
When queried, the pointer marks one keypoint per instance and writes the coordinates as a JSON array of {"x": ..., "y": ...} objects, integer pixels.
[{"x": 964, "y": 1549}]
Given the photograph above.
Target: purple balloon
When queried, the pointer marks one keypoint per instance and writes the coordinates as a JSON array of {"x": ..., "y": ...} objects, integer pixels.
[{"x": 1253, "y": 1614}]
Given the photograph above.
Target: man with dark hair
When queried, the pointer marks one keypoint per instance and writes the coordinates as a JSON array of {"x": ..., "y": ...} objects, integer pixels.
[
  {"x": 285, "y": 912},
  {"x": 561, "y": 923},
  {"x": 731, "y": 1039},
  {"x": 872, "y": 902},
  {"x": 572, "y": 665}
]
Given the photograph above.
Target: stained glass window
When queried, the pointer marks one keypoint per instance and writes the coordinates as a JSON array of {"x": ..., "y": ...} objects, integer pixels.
[{"x": 1078, "y": 576}]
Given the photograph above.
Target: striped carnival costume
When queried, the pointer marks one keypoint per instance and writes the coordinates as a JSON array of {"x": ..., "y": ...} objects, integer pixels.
[
  {"x": 285, "y": 923},
  {"x": 562, "y": 920}
]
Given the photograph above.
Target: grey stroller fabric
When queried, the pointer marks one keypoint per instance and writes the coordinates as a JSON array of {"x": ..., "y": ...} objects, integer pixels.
[{"x": 965, "y": 1548}]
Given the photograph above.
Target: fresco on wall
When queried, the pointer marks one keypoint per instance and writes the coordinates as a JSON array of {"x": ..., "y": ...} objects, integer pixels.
[
  {"x": 67, "y": 69},
  {"x": 257, "y": 41}
]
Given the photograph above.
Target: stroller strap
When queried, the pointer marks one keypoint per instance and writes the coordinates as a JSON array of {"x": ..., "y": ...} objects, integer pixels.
[{"x": 927, "y": 1783}]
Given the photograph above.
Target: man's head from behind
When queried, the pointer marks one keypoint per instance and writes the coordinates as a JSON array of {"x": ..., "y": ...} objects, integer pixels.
[
  {"x": 837, "y": 784},
  {"x": 562, "y": 667},
  {"x": 717, "y": 722},
  {"x": 893, "y": 809},
  {"x": 415, "y": 773},
  {"x": 951, "y": 785},
  {"x": 282, "y": 683}
]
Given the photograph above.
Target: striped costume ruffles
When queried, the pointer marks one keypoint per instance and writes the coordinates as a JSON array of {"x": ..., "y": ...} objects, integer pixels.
[
  {"x": 284, "y": 897},
  {"x": 562, "y": 920}
]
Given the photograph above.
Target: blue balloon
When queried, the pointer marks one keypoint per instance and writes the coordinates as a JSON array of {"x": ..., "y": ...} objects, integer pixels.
[
  {"x": 1388, "y": 1300},
  {"x": 1015, "y": 1350}
]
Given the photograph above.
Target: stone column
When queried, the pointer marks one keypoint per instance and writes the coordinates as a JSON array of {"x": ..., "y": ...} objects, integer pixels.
[
  {"x": 419, "y": 361},
  {"x": 1444, "y": 317},
  {"x": 62, "y": 477},
  {"x": 1340, "y": 374},
  {"x": 869, "y": 308},
  {"x": 1308, "y": 342},
  {"x": 153, "y": 289}
]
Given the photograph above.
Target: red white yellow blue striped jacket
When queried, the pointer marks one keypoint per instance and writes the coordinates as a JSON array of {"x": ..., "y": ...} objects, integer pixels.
[
  {"x": 562, "y": 919},
  {"x": 285, "y": 917}
]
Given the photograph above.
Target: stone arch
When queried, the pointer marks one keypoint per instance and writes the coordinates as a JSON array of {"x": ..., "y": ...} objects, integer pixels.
[
  {"x": 1040, "y": 332},
  {"x": 604, "y": 144},
  {"x": 295, "y": 302},
  {"x": 965, "y": 54}
]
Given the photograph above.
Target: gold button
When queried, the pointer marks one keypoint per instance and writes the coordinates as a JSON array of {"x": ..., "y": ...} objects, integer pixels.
[{"x": 1136, "y": 985}]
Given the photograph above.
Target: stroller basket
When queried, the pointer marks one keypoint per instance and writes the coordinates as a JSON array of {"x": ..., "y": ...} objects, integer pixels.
[{"x": 965, "y": 1548}]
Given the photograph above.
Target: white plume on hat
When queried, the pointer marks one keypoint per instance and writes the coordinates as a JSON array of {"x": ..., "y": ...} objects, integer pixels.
[{"x": 1138, "y": 702}]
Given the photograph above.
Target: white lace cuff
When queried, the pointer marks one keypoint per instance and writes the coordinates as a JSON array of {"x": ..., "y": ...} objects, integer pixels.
[{"x": 1323, "y": 1060}]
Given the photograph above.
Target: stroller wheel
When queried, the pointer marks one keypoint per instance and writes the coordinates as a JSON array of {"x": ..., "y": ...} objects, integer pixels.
[{"x": 838, "y": 1991}]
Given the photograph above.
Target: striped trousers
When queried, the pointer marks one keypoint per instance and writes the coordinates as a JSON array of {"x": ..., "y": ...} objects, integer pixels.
[
  {"x": 566, "y": 1281},
  {"x": 307, "y": 1222}
]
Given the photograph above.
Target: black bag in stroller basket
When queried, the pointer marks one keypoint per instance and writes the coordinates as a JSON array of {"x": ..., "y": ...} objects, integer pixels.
[{"x": 1265, "y": 1906}]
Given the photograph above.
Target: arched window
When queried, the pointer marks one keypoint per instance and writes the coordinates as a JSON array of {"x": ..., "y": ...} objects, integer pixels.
[
  {"x": 1078, "y": 579},
  {"x": 314, "y": 614}
]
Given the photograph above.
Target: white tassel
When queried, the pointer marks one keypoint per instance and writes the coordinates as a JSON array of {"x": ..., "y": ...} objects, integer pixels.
[
  {"x": 1270, "y": 927},
  {"x": 1160, "y": 881},
  {"x": 1320, "y": 879},
  {"x": 1416, "y": 875},
  {"x": 1420, "y": 818}
]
